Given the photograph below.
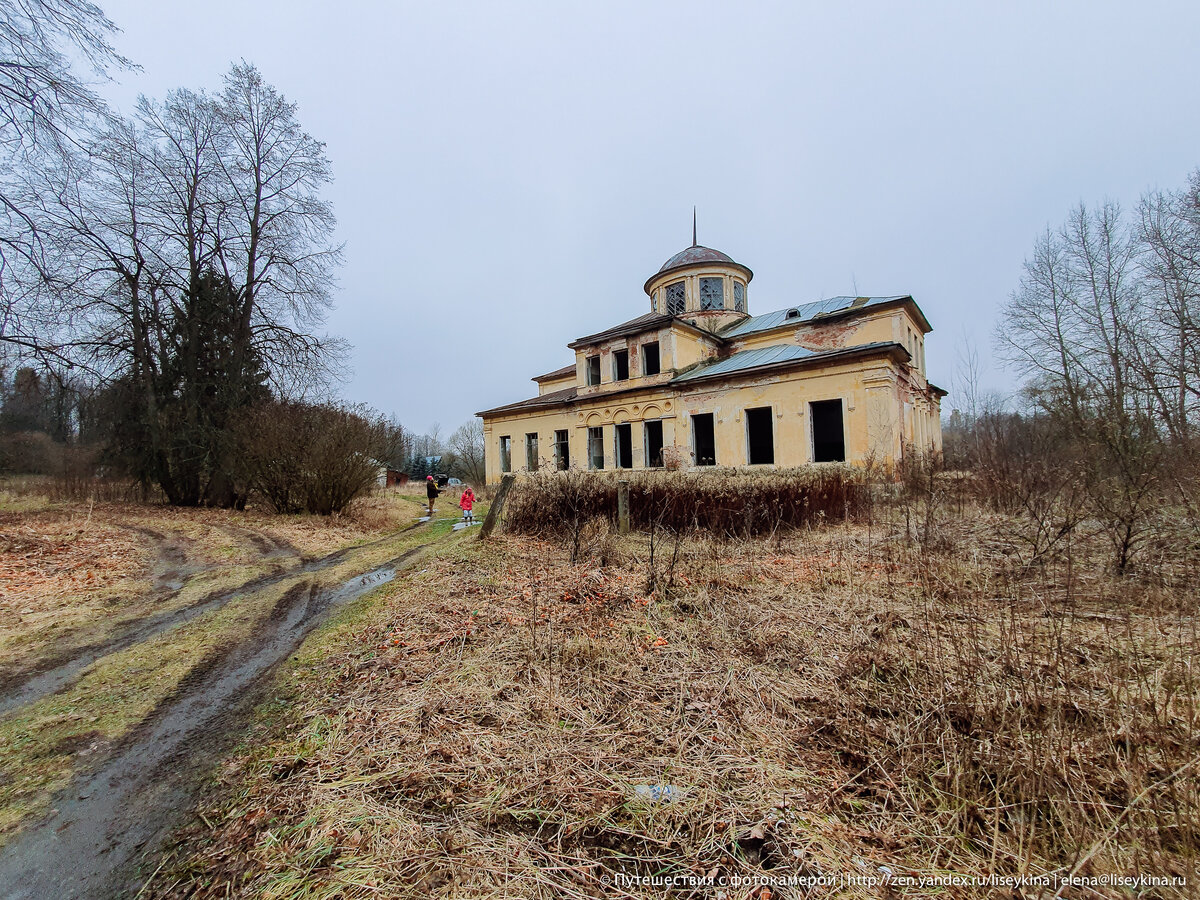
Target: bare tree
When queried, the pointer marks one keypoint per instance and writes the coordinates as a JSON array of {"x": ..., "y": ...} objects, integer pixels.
[
  {"x": 466, "y": 443},
  {"x": 1170, "y": 354},
  {"x": 43, "y": 103},
  {"x": 1074, "y": 327},
  {"x": 192, "y": 264}
]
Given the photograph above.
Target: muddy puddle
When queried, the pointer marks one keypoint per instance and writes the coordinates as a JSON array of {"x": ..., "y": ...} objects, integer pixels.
[{"x": 100, "y": 827}]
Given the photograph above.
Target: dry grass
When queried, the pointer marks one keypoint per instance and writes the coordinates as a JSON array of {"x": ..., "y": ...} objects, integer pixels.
[{"x": 826, "y": 702}]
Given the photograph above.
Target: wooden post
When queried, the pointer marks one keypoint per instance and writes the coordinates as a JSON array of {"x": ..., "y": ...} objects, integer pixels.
[
  {"x": 623, "y": 507},
  {"x": 489, "y": 521}
]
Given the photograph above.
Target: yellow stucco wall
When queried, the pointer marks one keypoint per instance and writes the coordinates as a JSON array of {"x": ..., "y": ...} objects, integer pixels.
[
  {"x": 550, "y": 386},
  {"x": 884, "y": 409}
]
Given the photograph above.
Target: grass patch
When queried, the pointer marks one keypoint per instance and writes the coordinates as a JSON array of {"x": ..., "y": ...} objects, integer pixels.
[{"x": 830, "y": 702}]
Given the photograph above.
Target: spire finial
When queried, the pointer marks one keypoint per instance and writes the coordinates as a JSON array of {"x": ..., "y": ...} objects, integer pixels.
[{"x": 694, "y": 226}]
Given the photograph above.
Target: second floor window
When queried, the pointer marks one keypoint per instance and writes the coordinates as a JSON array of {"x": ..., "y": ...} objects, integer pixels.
[
  {"x": 650, "y": 359},
  {"x": 620, "y": 365},
  {"x": 593, "y": 370},
  {"x": 739, "y": 296}
]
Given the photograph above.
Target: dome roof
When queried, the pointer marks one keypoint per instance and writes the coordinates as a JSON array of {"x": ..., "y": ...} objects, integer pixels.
[
  {"x": 696, "y": 255},
  {"x": 692, "y": 256}
]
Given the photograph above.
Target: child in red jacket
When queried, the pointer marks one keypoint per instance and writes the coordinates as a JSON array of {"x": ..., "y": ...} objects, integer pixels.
[{"x": 467, "y": 502}]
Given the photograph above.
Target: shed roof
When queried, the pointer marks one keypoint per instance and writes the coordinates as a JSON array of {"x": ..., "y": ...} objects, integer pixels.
[
  {"x": 554, "y": 398},
  {"x": 564, "y": 372},
  {"x": 644, "y": 322}
]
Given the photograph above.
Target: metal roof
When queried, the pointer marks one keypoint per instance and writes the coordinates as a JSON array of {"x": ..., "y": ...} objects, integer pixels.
[
  {"x": 556, "y": 374},
  {"x": 777, "y": 355},
  {"x": 806, "y": 312},
  {"x": 693, "y": 255},
  {"x": 747, "y": 359},
  {"x": 696, "y": 256},
  {"x": 554, "y": 398},
  {"x": 644, "y": 322}
]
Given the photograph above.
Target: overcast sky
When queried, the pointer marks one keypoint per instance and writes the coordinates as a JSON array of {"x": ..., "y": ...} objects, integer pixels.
[{"x": 509, "y": 174}]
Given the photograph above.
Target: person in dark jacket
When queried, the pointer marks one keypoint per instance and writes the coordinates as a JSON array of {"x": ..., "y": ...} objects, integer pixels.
[{"x": 431, "y": 489}]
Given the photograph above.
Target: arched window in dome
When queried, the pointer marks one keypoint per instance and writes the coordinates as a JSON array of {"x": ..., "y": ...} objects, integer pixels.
[
  {"x": 739, "y": 296},
  {"x": 712, "y": 293},
  {"x": 676, "y": 299}
]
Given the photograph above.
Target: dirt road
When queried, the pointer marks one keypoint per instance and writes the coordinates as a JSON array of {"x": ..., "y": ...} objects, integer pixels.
[{"x": 106, "y": 819}]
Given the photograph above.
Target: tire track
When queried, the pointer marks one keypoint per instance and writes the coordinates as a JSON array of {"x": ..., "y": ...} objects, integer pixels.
[{"x": 106, "y": 819}]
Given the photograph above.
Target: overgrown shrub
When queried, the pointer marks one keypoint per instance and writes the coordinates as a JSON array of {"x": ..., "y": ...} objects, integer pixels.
[
  {"x": 725, "y": 502},
  {"x": 306, "y": 457},
  {"x": 30, "y": 453}
]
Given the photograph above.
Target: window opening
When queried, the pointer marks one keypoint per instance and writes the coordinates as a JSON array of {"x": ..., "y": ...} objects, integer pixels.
[
  {"x": 623, "y": 445},
  {"x": 829, "y": 441},
  {"x": 531, "y": 452},
  {"x": 676, "y": 299},
  {"x": 760, "y": 437},
  {"x": 650, "y": 359},
  {"x": 562, "y": 450},
  {"x": 652, "y": 434},
  {"x": 712, "y": 293},
  {"x": 596, "y": 448},
  {"x": 704, "y": 445},
  {"x": 620, "y": 365}
]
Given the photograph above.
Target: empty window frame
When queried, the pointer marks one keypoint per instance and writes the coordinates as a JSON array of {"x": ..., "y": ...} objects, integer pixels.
[
  {"x": 712, "y": 293},
  {"x": 620, "y": 365},
  {"x": 828, "y": 432},
  {"x": 596, "y": 448},
  {"x": 704, "y": 442},
  {"x": 651, "y": 363},
  {"x": 531, "y": 452},
  {"x": 676, "y": 298},
  {"x": 652, "y": 440},
  {"x": 562, "y": 450},
  {"x": 739, "y": 296},
  {"x": 623, "y": 445},
  {"x": 505, "y": 453},
  {"x": 593, "y": 370},
  {"x": 760, "y": 437}
]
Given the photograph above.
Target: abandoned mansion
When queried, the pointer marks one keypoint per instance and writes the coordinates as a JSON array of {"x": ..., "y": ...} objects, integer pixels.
[{"x": 699, "y": 381}]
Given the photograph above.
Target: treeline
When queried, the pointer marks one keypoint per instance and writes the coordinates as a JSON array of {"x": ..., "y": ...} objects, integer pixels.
[
  {"x": 294, "y": 456},
  {"x": 1104, "y": 328}
]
